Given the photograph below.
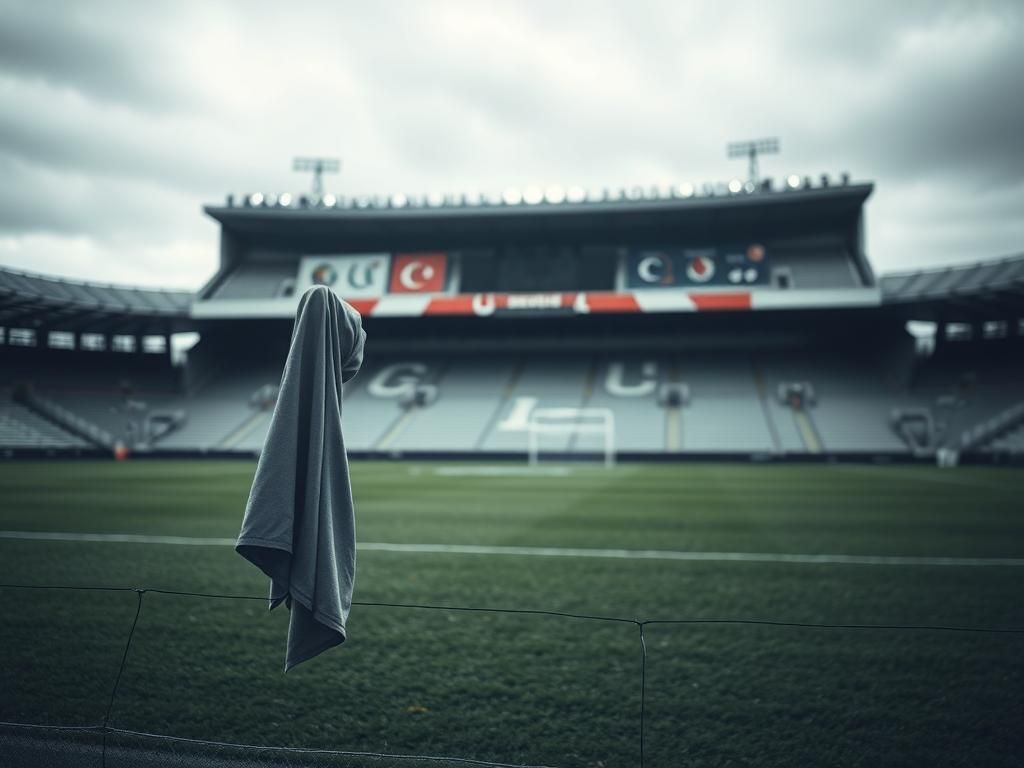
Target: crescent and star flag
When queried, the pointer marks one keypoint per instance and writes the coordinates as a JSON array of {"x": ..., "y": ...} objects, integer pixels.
[{"x": 418, "y": 272}]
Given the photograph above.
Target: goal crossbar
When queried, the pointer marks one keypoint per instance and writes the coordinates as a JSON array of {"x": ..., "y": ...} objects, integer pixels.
[{"x": 565, "y": 420}]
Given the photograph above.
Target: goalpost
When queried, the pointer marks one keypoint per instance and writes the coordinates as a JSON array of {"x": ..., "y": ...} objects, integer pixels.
[{"x": 580, "y": 421}]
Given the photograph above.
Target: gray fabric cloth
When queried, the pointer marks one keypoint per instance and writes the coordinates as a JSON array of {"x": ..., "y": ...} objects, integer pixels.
[{"x": 299, "y": 524}]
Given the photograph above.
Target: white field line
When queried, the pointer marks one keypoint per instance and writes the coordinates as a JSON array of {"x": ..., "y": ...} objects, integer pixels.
[
  {"x": 612, "y": 554},
  {"x": 502, "y": 471},
  {"x": 495, "y": 471}
]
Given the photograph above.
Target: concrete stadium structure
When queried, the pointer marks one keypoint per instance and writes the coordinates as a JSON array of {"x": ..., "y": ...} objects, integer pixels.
[{"x": 743, "y": 325}]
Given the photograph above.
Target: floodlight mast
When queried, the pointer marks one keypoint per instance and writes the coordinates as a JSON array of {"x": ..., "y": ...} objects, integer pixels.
[
  {"x": 319, "y": 166},
  {"x": 751, "y": 149}
]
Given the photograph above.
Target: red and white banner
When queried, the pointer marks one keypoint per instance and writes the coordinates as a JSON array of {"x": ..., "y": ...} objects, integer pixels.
[
  {"x": 416, "y": 303},
  {"x": 581, "y": 303}
]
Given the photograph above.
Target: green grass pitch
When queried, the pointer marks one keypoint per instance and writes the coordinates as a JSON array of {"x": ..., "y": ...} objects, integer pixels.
[{"x": 540, "y": 689}]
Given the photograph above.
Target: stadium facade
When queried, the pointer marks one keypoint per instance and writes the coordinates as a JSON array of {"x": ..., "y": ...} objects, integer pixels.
[{"x": 742, "y": 324}]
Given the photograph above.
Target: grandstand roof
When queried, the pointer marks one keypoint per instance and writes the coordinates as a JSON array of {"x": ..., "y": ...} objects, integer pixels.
[
  {"x": 39, "y": 301},
  {"x": 986, "y": 290},
  {"x": 366, "y": 217}
]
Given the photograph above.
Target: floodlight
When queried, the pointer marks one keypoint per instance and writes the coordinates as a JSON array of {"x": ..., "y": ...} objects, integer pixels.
[
  {"x": 750, "y": 187},
  {"x": 362, "y": 202},
  {"x": 684, "y": 190},
  {"x": 554, "y": 194},
  {"x": 284, "y": 199},
  {"x": 533, "y": 195},
  {"x": 512, "y": 196},
  {"x": 435, "y": 199},
  {"x": 270, "y": 199},
  {"x": 472, "y": 199},
  {"x": 595, "y": 195},
  {"x": 399, "y": 200},
  {"x": 328, "y": 200},
  {"x": 735, "y": 186},
  {"x": 256, "y": 199},
  {"x": 319, "y": 166},
  {"x": 751, "y": 149},
  {"x": 576, "y": 194},
  {"x": 636, "y": 193},
  {"x": 793, "y": 181}
]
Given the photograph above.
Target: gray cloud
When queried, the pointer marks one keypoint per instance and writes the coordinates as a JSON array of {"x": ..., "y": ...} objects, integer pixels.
[
  {"x": 118, "y": 120},
  {"x": 116, "y": 52}
]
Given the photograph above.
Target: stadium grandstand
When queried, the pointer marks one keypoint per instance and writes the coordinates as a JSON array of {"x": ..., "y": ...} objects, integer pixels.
[{"x": 716, "y": 323}]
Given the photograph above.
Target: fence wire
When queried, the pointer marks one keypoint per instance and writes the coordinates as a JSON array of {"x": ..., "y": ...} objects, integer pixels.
[{"x": 105, "y": 730}]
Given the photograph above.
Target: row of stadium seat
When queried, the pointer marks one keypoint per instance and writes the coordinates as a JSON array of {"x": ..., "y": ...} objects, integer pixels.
[{"x": 735, "y": 403}]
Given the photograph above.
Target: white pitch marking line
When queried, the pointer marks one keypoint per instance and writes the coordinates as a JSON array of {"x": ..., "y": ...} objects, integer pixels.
[
  {"x": 499, "y": 471},
  {"x": 614, "y": 554}
]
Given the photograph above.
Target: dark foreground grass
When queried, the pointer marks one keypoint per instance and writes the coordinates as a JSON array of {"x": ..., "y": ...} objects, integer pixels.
[{"x": 540, "y": 689}]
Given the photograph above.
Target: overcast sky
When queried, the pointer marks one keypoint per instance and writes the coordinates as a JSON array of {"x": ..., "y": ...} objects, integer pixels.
[{"x": 118, "y": 121}]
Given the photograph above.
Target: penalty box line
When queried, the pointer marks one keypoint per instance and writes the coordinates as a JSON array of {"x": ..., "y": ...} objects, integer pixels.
[{"x": 613, "y": 554}]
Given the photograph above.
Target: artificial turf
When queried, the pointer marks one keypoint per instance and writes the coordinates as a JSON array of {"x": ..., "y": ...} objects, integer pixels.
[{"x": 533, "y": 688}]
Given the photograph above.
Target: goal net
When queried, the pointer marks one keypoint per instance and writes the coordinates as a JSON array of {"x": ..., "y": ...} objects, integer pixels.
[{"x": 587, "y": 422}]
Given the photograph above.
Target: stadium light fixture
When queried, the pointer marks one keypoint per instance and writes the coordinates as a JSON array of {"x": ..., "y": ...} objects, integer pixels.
[
  {"x": 597, "y": 195},
  {"x": 284, "y": 199},
  {"x": 511, "y": 196},
  {"x": 750, "y": 187},
  {"x": 399, "y": 200},
  {"x": 435, "y": 199},
  {"x": 554, "y": 194},
  {"x": 576, "y": 194},
  {"x": 707, "y": 189},
  {"x": 319, "y": 166},
  {"x": 684, "y": 190},
  {"x": 270, "y": 199},
  {"x": 793, "y": 181},
  {"x": 824, "y": 180},
  {"x": 735, "y": 186},
  {"x": 751, "y": 150},
  {"x": 845, "y": 178},
  {"x": 255, "y": 200},
  {"x": 329, "y": 200},
  {"x": 533, "y": 195}
]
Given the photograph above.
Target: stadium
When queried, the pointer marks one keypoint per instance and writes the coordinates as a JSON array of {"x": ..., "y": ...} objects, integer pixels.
[
  {"x": 589, "y": 534},
  {"x": 666, "y": 324}
]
